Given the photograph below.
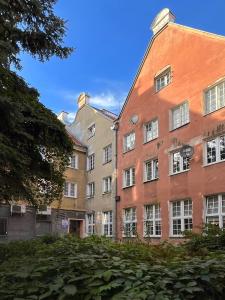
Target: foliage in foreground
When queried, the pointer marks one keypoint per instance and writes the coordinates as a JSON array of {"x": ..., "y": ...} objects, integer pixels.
[{"x": 95, "y": 268}]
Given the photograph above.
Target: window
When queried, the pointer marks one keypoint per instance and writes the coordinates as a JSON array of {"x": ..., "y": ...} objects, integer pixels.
[
  {"x": 107, "y": 184},
  {"x": 179, "y": 163},
  {"x": 91, "y": 162},
  {"x": 70, "y": 189},
  {"x": 163, "y": 79},
  {"x": 107, "y": 223},
  {"x": 73, "y": 162},
  {"x": 151, "y": 170},
  {"x": 215, "y": 150},
  {"x": 181, "y": 213},
  {"x": 90, "y": 223},
  {"x": 107, "y": 154},
  {"x": 91, "y": 131},
  {"x": 151, "y": 131},
  {"x": 3, "y": 226},
  {"x": 129, "y": 177},
  {"x": 215, "y": 210},
  {"x": 130, "y": 222},
  {"x": 152, "y": 220},
  {"x": 90, "y": 189},
  {"x": 129, "y": 142},
  {"x": 180, "y": 115},
  {"x": 215, "y": 98}
]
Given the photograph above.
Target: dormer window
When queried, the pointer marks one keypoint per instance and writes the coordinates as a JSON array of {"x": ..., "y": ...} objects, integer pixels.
[
  {"x": 91, "y": 130},
  {"x": 163, "y": 79}
]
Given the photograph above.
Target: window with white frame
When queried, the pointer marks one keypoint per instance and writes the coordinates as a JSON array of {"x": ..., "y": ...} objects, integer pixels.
[
  {"x": 179, "y": 163},
  {"x": 91, "y": 162},
  {"x": 215, "y": 210},
  {"x": 181, "y": 217},
  {"x": 70, "y": 189},
  {"x": 179, "y": 115},
  {"x": 163, "y": 79},
  {"x": 90, "y": 224},
  {"x": 215, "y": 98},
  {"x": 107, "y": 223},
  {"x": 215, "y": 150},
  {"x": 107, "y": 184},
  {"x": 73, "y": 161},
  {"x": 152, "y": 221},
  {"x": 151, "y": 170},
  {"x": 129, "y": 142},
  {"x": 129, "y": 222},
  {"x": 91, "y": 131},
  {"x": 90, "y": 190},
  {"x": 129, "y": 177},
  {"x": 107, "y": 154},
  {"x": 151, "y": 131},
  {"x": 3, "y": 226}
]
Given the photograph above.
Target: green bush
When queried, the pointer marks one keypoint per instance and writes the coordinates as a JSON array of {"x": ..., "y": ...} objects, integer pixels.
[{"x": 97, "y": 268}]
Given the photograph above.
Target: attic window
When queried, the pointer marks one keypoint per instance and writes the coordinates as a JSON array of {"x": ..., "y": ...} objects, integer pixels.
[
  {"x": 91, "y": 131},
  {"x": 163, "y": 79}
]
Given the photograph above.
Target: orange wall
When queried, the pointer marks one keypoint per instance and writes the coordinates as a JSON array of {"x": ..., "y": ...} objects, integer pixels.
[{"x": 197, "y": 60}]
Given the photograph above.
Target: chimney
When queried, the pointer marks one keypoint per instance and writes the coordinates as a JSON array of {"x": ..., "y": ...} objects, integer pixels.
[
  {"x": 164, "y": 17},
  {"x": 63, "y": 117},
  {"x": 83, "y": 99}
]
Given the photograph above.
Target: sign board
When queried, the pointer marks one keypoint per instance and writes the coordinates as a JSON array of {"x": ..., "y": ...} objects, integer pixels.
[{"x": 187, "y": 151}]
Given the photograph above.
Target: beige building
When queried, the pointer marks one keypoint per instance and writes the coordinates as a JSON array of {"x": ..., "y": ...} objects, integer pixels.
[{"x": 94, "y": 128}]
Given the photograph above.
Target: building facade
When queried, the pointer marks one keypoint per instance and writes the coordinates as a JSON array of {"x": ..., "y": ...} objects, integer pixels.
[
  {"x": 93, "y": 127},
  {"x": 171, "y": 136},
  {"x": 22, "y": 221}
]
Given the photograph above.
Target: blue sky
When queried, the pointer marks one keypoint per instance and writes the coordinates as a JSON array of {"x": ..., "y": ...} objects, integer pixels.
[{"x": 110, "y": 38}]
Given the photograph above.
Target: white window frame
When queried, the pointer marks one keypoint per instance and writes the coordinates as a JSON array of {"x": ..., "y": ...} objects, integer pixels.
[
  {"x": 217, "y": 141},
  {"x": 217, "y": 102},
  {"x": 91, "y": 131},
  {"x": 220, "y": 214},
  {"x": 68, "y": 187},
  {"x": 182, "y": 217},
  {"x": 153, "y": 133},
  {"x": 73, "y": 161},
  {"x": 130, "y": 219},
  {"x": 90, "y": 189},
  {"x": 183, "y": 113},
  {"x": 107, "y": 223},
  {"x": 181, "y": 161},
  {"x": 154, "y": 165},
  {"x": 156, "y": 218},
  {"x": 107, "y": 184},
  {"x": 90, "y": 224},
  {"x": 91, "y": 162},
  {"x": 163, "y": 79},
  {"x": 128, "y": 138},
  {"x": 131, "y": 172},
  {"x": 107, "y": 154}
]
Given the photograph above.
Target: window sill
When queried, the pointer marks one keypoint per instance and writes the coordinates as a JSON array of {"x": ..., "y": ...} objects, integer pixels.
[
  {"x": 90, "y": 197},
  {"x": 124, "y": 152},
  {"x": 147, "y": 142},
  {"x": 106, "y": 193},
  {"x": 152, "y": 180},
  {"x": 181, "y": 172},
  {"x": 72, "y": 168},
  {"x": 214, "y": 163},
  {"x": 171, "y": 130},
  {"x": 127, "y": 187},
  {"x": 107, "y": 162},
  {"x": 207, "y": 114},
  {"x": 152, "y": 237},
  {"x": 73, "y": 197}
]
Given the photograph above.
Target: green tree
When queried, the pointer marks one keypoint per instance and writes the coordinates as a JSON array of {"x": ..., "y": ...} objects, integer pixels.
[{"x": 34, "y": 145}]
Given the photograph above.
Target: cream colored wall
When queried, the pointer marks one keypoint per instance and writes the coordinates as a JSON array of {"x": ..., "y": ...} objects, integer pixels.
[
  {"x": 77, "y": 176},
  {"x": 104, "y": 136}
]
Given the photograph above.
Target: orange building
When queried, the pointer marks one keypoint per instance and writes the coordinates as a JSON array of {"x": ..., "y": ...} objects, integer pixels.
[{"x": 171, "y": 135}]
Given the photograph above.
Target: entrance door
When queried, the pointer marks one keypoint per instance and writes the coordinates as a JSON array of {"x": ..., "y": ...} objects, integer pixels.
[{"x": 74, "y": 227}]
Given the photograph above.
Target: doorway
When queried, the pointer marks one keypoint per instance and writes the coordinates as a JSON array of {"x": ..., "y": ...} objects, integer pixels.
[{"x": 75, "y": 228}]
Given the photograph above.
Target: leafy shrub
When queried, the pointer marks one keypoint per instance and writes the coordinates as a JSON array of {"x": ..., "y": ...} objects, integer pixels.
[{"x": 97, "y": 268}]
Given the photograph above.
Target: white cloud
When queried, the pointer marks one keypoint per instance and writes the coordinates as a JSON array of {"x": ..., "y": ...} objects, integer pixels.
[{"x": 107, "y": 100}]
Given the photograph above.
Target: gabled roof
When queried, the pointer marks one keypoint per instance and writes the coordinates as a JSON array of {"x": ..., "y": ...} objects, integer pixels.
[
  {"x": 74, "y": 139},
  {"x": 198, "y": 31},
  {"x": 106, "y": 113}
]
